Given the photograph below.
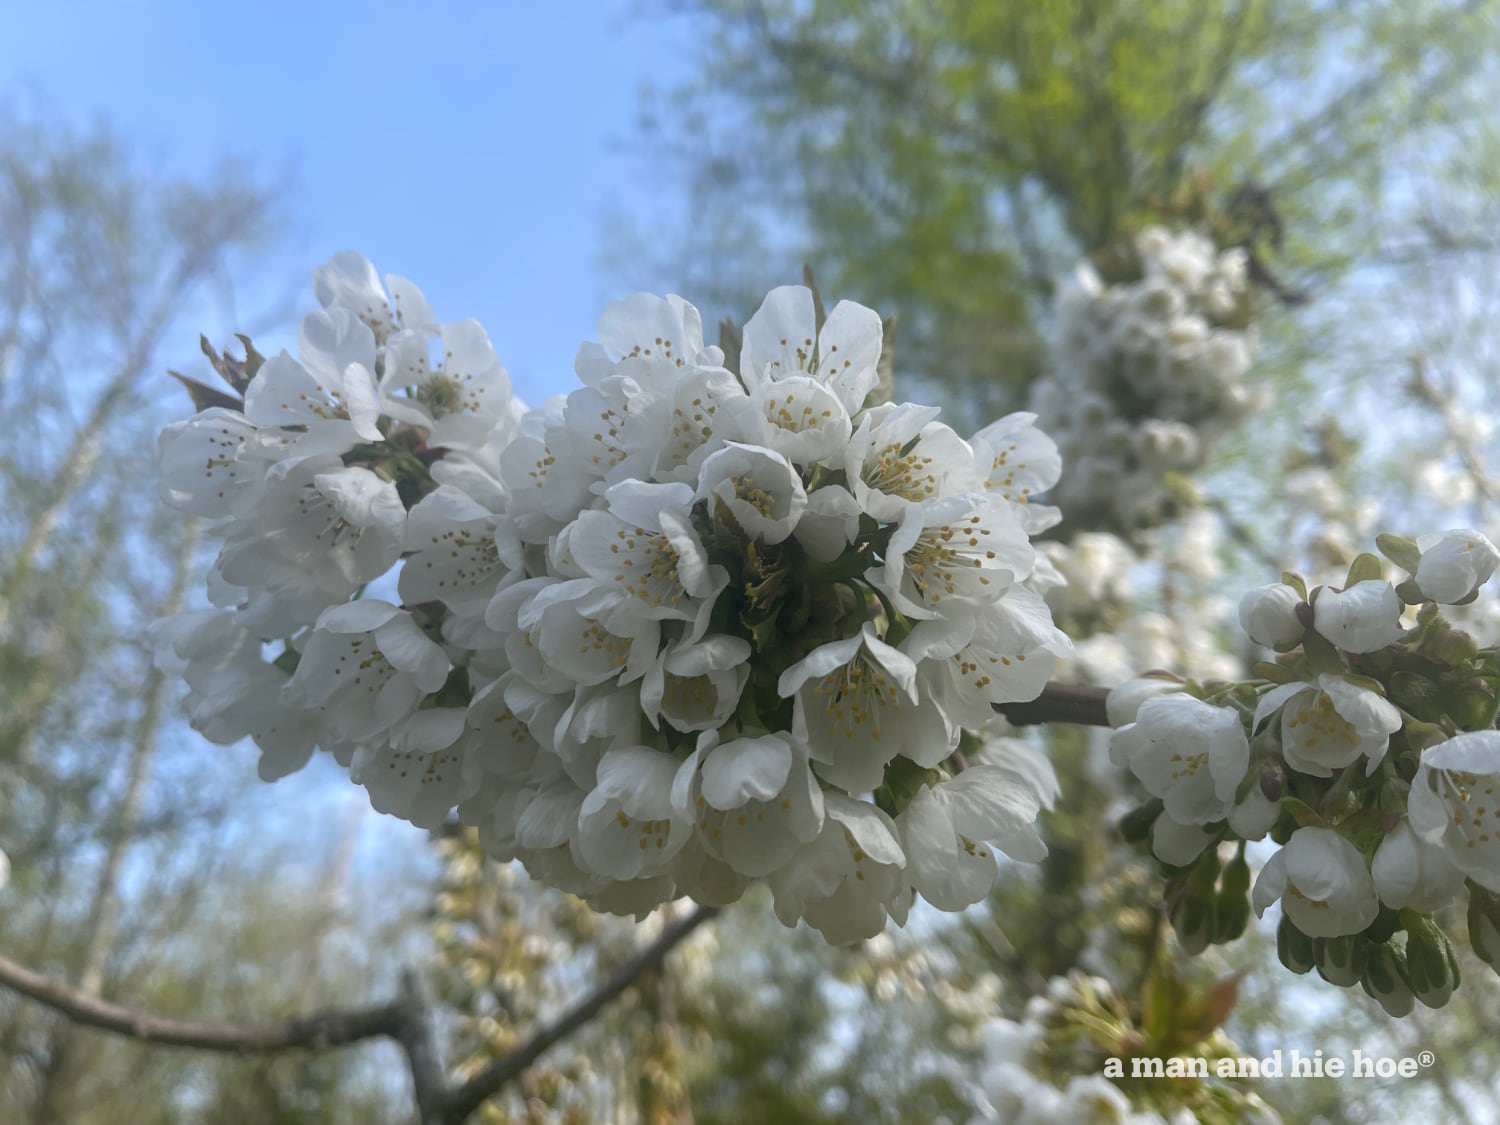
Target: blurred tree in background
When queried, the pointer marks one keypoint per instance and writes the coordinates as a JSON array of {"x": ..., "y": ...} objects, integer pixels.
[
  {"x": 112, "y": 820},
  {"x": 944, "y": 160}
]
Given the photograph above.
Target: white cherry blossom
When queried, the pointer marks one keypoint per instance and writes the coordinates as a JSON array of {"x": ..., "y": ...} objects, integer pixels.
[
  {"x": 1455, "y": 803},
  {"x": 1268, "y": 614},
  {"x": 1190, "y": 753},
  {"x": 1455, "y": 564},
  {"x": 366, "y": 668},
  {"x": 1363, "y": 618},
  {"x": 1329, "y": 724},
  {"x": 1322, "y": 882}
]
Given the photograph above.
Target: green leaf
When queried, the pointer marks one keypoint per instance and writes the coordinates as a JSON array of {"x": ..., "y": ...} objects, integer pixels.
[
  {"x": 1276, "y": 673},
  {"x": 1365, "y": 568},
  {"x": 1296, "y": 582},
  {"x": 1400, "y": 550},
  {"x": 1322, "y": 656}
]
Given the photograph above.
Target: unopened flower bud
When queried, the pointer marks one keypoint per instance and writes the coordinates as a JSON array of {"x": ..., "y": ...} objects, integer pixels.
[
  {"x": 1342, "y": 960},
  {"x": 1386, "y": 979},
  {"x": 1455, "y": 564},
  {"x": 1294, "y": 949},
  {"x": 1268, "y": 614},
  {"x": 1431, "y": 965},
  {"x": 1363, "y": 618}
]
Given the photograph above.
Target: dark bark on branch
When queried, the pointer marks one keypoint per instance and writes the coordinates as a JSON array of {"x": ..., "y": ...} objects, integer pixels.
[
  {"x": 1060, "y": 703},
  {"x": 406, "y": 1020},
  {"x": 324, "y": 1029}
]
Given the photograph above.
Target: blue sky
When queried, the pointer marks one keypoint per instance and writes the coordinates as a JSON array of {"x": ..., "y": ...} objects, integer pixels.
[
  {"x": 469, "y": 146},
  {"x": 473, "y": 147}
]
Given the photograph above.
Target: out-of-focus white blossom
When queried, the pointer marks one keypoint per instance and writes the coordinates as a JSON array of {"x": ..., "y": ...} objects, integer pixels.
[{"x": 1455, "y": 564}]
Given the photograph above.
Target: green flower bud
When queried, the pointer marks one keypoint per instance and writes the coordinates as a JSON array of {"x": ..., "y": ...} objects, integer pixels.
[
  {"x": 1231, "y": 916},
  {"x": 1432, "y": 966},
  {"x": 1454, "y": 647},
  {"x": 1416, "y": 694},
  {"x": 1386, "y": 980},
  {"x": 1484, "y": 925},
  {"x": 1472, "y": 706},
  {"x": 1342, "y": 960},
  {"x": 1294, "y": 948},
  {"x": 1193, "y": 910},
  {"x": 1384, "y": 926}
]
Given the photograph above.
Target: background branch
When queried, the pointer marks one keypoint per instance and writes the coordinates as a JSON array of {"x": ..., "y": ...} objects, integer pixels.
[
  {"x": 406, "y": 1020},
  {"x": 1060, "y": 703}
]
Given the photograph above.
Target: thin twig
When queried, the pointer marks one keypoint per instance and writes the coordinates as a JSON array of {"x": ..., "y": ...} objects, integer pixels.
[
  {"x": 324, "y": 1029},
  {"x": 468, "y": 1097}
]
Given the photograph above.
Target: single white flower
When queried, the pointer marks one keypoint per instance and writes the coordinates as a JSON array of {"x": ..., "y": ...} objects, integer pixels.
[
  {"x": 971, "y": 548},
  {"x": 202, "y": 468},
  {"x": 454, "y": 552},
  {"x": 350, "y": 281},
  {"x": 830, "y": 522},
  {"x": 1412, "y": 874},
  {"x": 779, "y": 344},
  {"x": 1023, "y": 463},
  {"x": 627, "y": 826},
  {"x": 233, "y": 693},
  {"x": 327, "y": 403},
  {"x": 1330, "y": 724},
  {"x": 798, "y": 417},
  {"x": 1455, "y": 802},
  {"x": 759, "y": 488},
  {"x": 857, "y": 707},
  {"x": 343, "y": 527},
  {"x": 1255, "y": 815},
  {"x": 900, "y": 455},
  {"x": 755, "y": 801},
  {"x": 1268, "y": 614},
  {"x": 1364, "y": 618},
  {"x": 1322, "y": 882},
  {"x": 1455, "y": 564},
  {"x": 645, "y": 546},
  {"x": 366, "y": 667},
  {"x": 1178, "y": 844},
  {"x": 946, "y": 827},
  {"x": 460, "y": 399},
  {"x": 1190, "y": 753},
  {"x": 845, "y": 882},
  {"x": 696, "y": 686},
  {"x": 417, "y": 773}
]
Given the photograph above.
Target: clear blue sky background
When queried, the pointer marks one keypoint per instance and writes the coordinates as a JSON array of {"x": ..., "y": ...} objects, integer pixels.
[{"x": 470, "y": 146}]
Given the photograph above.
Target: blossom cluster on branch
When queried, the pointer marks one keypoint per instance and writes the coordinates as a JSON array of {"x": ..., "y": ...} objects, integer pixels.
[
  {"x": 1146, "y": 375},
  {"x": 700, "y": 622},
  {"x": 1367, "y": 750}
]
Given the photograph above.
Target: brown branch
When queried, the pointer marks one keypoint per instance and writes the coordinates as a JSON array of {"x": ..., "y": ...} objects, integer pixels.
[
  {"x": 325, "y": 1029},
  {"x": 1060, "y": 703},
  {"x": 405, "y": 1020},
  {"x": 465, "y": 1099}
]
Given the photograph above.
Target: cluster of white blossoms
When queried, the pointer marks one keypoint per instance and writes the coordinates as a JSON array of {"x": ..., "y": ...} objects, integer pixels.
[
  {"x": 1370, "y": 756},
  {"x": 1146, "y": 376},
  {"x": 1055, "y": 1063},
  {"x": 692, "y": 626}
]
